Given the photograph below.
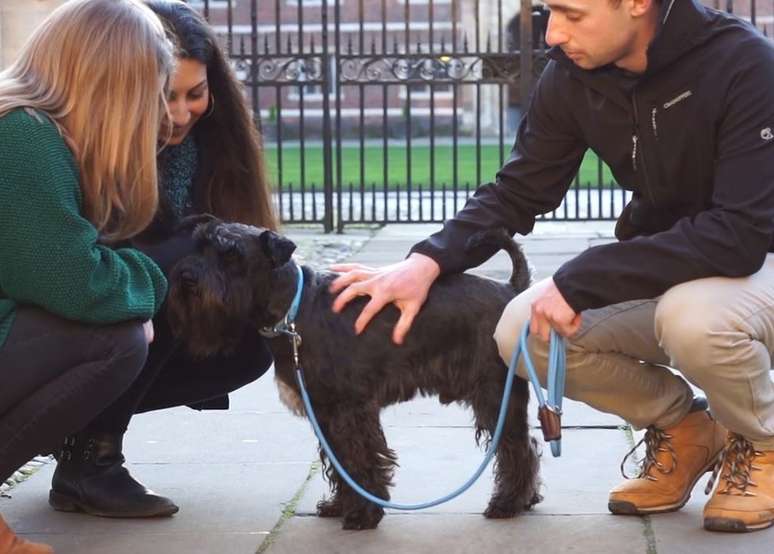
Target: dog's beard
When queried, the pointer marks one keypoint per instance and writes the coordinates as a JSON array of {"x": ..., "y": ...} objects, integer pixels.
[
  {"x": 204, "y": 321},
  {"x": 290, "y": 398}
]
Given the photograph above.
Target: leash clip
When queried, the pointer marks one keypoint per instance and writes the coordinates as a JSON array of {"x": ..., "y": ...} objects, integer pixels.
[{"x": 295, "y": 342}]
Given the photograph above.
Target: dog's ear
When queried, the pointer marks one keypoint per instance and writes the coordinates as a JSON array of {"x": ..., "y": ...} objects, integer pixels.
[
  {"x": 276, "y": 247},
  {"x": 190, "y": 222}
]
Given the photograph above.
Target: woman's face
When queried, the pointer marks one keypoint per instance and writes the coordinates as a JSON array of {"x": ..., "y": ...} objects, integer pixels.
[{"x": 189, "y": 99}]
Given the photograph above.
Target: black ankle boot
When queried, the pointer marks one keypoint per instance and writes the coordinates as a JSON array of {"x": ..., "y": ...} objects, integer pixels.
[{"x": 90, "y": 477}]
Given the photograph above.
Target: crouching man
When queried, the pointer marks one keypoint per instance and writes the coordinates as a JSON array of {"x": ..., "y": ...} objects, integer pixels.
[{"x": 678, "y": 99}]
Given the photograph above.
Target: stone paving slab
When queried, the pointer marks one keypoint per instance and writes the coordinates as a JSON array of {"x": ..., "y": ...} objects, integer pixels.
[
  {"x": 467, "y": 534},
  {"x": 233, "y": 506},
  {"x": 554, "y": 229},
  {"x": 141, "y": 540},
  {"x": 546, "y": 252},
  {"x": 392, "y": 250},
  {"x": 173, "y": 436}
]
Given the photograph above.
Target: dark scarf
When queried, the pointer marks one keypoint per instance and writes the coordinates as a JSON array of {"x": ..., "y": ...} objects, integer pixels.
[{"x": 178, "y": 166}]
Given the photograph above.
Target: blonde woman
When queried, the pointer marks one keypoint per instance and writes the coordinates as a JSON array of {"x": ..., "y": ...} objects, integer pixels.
[
  {"x": 80, "y": 111},
  {"x": 210, "y": 163}
]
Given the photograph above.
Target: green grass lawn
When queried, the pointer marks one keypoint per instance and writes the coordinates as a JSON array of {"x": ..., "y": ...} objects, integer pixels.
[{"x": 398, "y": 166}]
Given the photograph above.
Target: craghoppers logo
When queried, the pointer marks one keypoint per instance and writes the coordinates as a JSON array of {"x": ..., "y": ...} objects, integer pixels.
[
  {"x": 677, "y": 99},
  {"x": 767, "y": 134}
]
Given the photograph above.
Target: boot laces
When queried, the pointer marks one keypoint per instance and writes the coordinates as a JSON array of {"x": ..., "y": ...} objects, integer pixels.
[
  {"x": 736, "y": 463},
  {"x": 656, "y": 440}
]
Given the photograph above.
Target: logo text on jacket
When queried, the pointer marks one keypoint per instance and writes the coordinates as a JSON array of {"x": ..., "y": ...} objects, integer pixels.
[{"x": 678, "y": 98}]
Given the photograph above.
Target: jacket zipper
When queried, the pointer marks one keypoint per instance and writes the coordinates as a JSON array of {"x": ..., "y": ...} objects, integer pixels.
[
  {"x": 634, "y": 151},
  {"x": 653, "y": 113},
  {"x": 637, "y": 152}
]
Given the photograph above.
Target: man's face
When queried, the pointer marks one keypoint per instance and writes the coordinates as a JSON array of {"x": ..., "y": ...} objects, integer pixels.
[{"x": 592, "y": 33}]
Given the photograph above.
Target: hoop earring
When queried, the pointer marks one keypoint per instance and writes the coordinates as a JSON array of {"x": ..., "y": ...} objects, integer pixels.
[{"x": 212, "y": 106}]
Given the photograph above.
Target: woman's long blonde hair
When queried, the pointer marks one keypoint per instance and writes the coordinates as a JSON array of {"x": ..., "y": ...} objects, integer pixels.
[{"x": 97, "y": 69}]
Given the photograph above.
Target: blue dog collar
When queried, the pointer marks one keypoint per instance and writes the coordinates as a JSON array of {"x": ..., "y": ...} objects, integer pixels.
[
  {"x": 296, "y": 304},
  {"x": 285, "y": 325}
]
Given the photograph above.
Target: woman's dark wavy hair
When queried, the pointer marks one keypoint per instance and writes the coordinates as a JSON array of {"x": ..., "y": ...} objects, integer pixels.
[{"x": 231, "y": 182}]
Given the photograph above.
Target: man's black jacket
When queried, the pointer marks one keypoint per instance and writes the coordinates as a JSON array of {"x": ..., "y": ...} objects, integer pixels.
[{"x": 693, "y": 139}]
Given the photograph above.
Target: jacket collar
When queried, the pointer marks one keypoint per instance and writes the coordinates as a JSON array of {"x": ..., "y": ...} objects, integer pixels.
[{"x": 684, "y": 24}]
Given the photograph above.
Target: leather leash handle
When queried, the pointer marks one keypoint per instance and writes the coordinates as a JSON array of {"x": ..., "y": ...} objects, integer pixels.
[{"x": 550, "y": 423}]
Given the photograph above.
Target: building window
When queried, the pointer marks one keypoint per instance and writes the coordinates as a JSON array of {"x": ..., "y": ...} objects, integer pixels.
[{"x": 421, "y": 91}]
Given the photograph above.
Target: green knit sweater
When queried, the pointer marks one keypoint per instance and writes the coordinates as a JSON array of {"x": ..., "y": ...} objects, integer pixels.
[{"x": 49, "y": 254}]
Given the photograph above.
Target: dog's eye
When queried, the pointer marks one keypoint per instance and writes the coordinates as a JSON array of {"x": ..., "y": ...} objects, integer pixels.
[{"x": 232, "y": 254}]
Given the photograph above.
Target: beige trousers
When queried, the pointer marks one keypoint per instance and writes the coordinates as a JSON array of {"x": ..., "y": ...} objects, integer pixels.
[{"x": 718, "y": 333}]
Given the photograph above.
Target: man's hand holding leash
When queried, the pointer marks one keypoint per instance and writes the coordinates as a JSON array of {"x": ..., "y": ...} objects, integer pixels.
[{"x": 551, "y": 310}]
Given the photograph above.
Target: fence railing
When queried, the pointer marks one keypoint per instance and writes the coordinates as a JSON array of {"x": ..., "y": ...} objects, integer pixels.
[{"x": 381, "y": 111}]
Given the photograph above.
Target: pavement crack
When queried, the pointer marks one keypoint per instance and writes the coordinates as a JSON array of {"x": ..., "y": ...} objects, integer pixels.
[
  {"x": 289, "y": 510},
  {"x": 650, "y": 535}
]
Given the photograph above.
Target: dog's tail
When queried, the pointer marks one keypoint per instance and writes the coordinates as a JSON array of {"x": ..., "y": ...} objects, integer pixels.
[{"x": 521, "y": 277}]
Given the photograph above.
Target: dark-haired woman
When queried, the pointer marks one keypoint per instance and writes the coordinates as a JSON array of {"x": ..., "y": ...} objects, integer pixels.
[{"x": 211, "y": 162}]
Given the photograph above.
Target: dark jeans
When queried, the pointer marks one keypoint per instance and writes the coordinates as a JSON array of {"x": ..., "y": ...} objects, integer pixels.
[
  {"x": 60, "y": 377},
  {"x": 56, "y": 376}
]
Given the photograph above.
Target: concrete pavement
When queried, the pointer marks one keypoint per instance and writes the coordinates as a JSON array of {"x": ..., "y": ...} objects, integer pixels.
[{"x": 247, "y": 480}]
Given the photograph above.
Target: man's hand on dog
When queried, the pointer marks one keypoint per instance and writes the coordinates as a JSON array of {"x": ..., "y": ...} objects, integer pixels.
[
  {"x": 551, "y": 310},
  {"x": 405, "y": 284}
]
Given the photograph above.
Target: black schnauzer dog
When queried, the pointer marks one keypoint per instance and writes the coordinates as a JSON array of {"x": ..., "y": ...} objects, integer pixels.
[{"x": 242, "y": 275}]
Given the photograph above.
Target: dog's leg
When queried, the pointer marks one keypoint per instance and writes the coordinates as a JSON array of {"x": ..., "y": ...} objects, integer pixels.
[
  {"x": 517, "y": 464},
  {"x": 356, "y": 436}
]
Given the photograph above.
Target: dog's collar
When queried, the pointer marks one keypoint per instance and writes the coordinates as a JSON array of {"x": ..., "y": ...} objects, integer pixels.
[
  {"x": 285, "y": 325},
  {"x": 296, "y": 304}
]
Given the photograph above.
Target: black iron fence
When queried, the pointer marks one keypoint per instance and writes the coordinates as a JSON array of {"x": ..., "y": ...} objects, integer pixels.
[{"x": 396, "y": 110}]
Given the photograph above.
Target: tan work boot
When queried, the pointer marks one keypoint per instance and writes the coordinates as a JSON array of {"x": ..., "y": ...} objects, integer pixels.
[
  {"x": 675, "y": 458},
  {"x": 11, "y": 544},
  {"x": 744, "y": 497}
]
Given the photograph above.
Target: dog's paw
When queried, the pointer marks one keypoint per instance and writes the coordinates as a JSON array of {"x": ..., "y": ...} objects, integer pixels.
[
  {"x": 366, "y": 518},
  {"x": 501, "y": 510},
  {"x": 329, "y": 507}
]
